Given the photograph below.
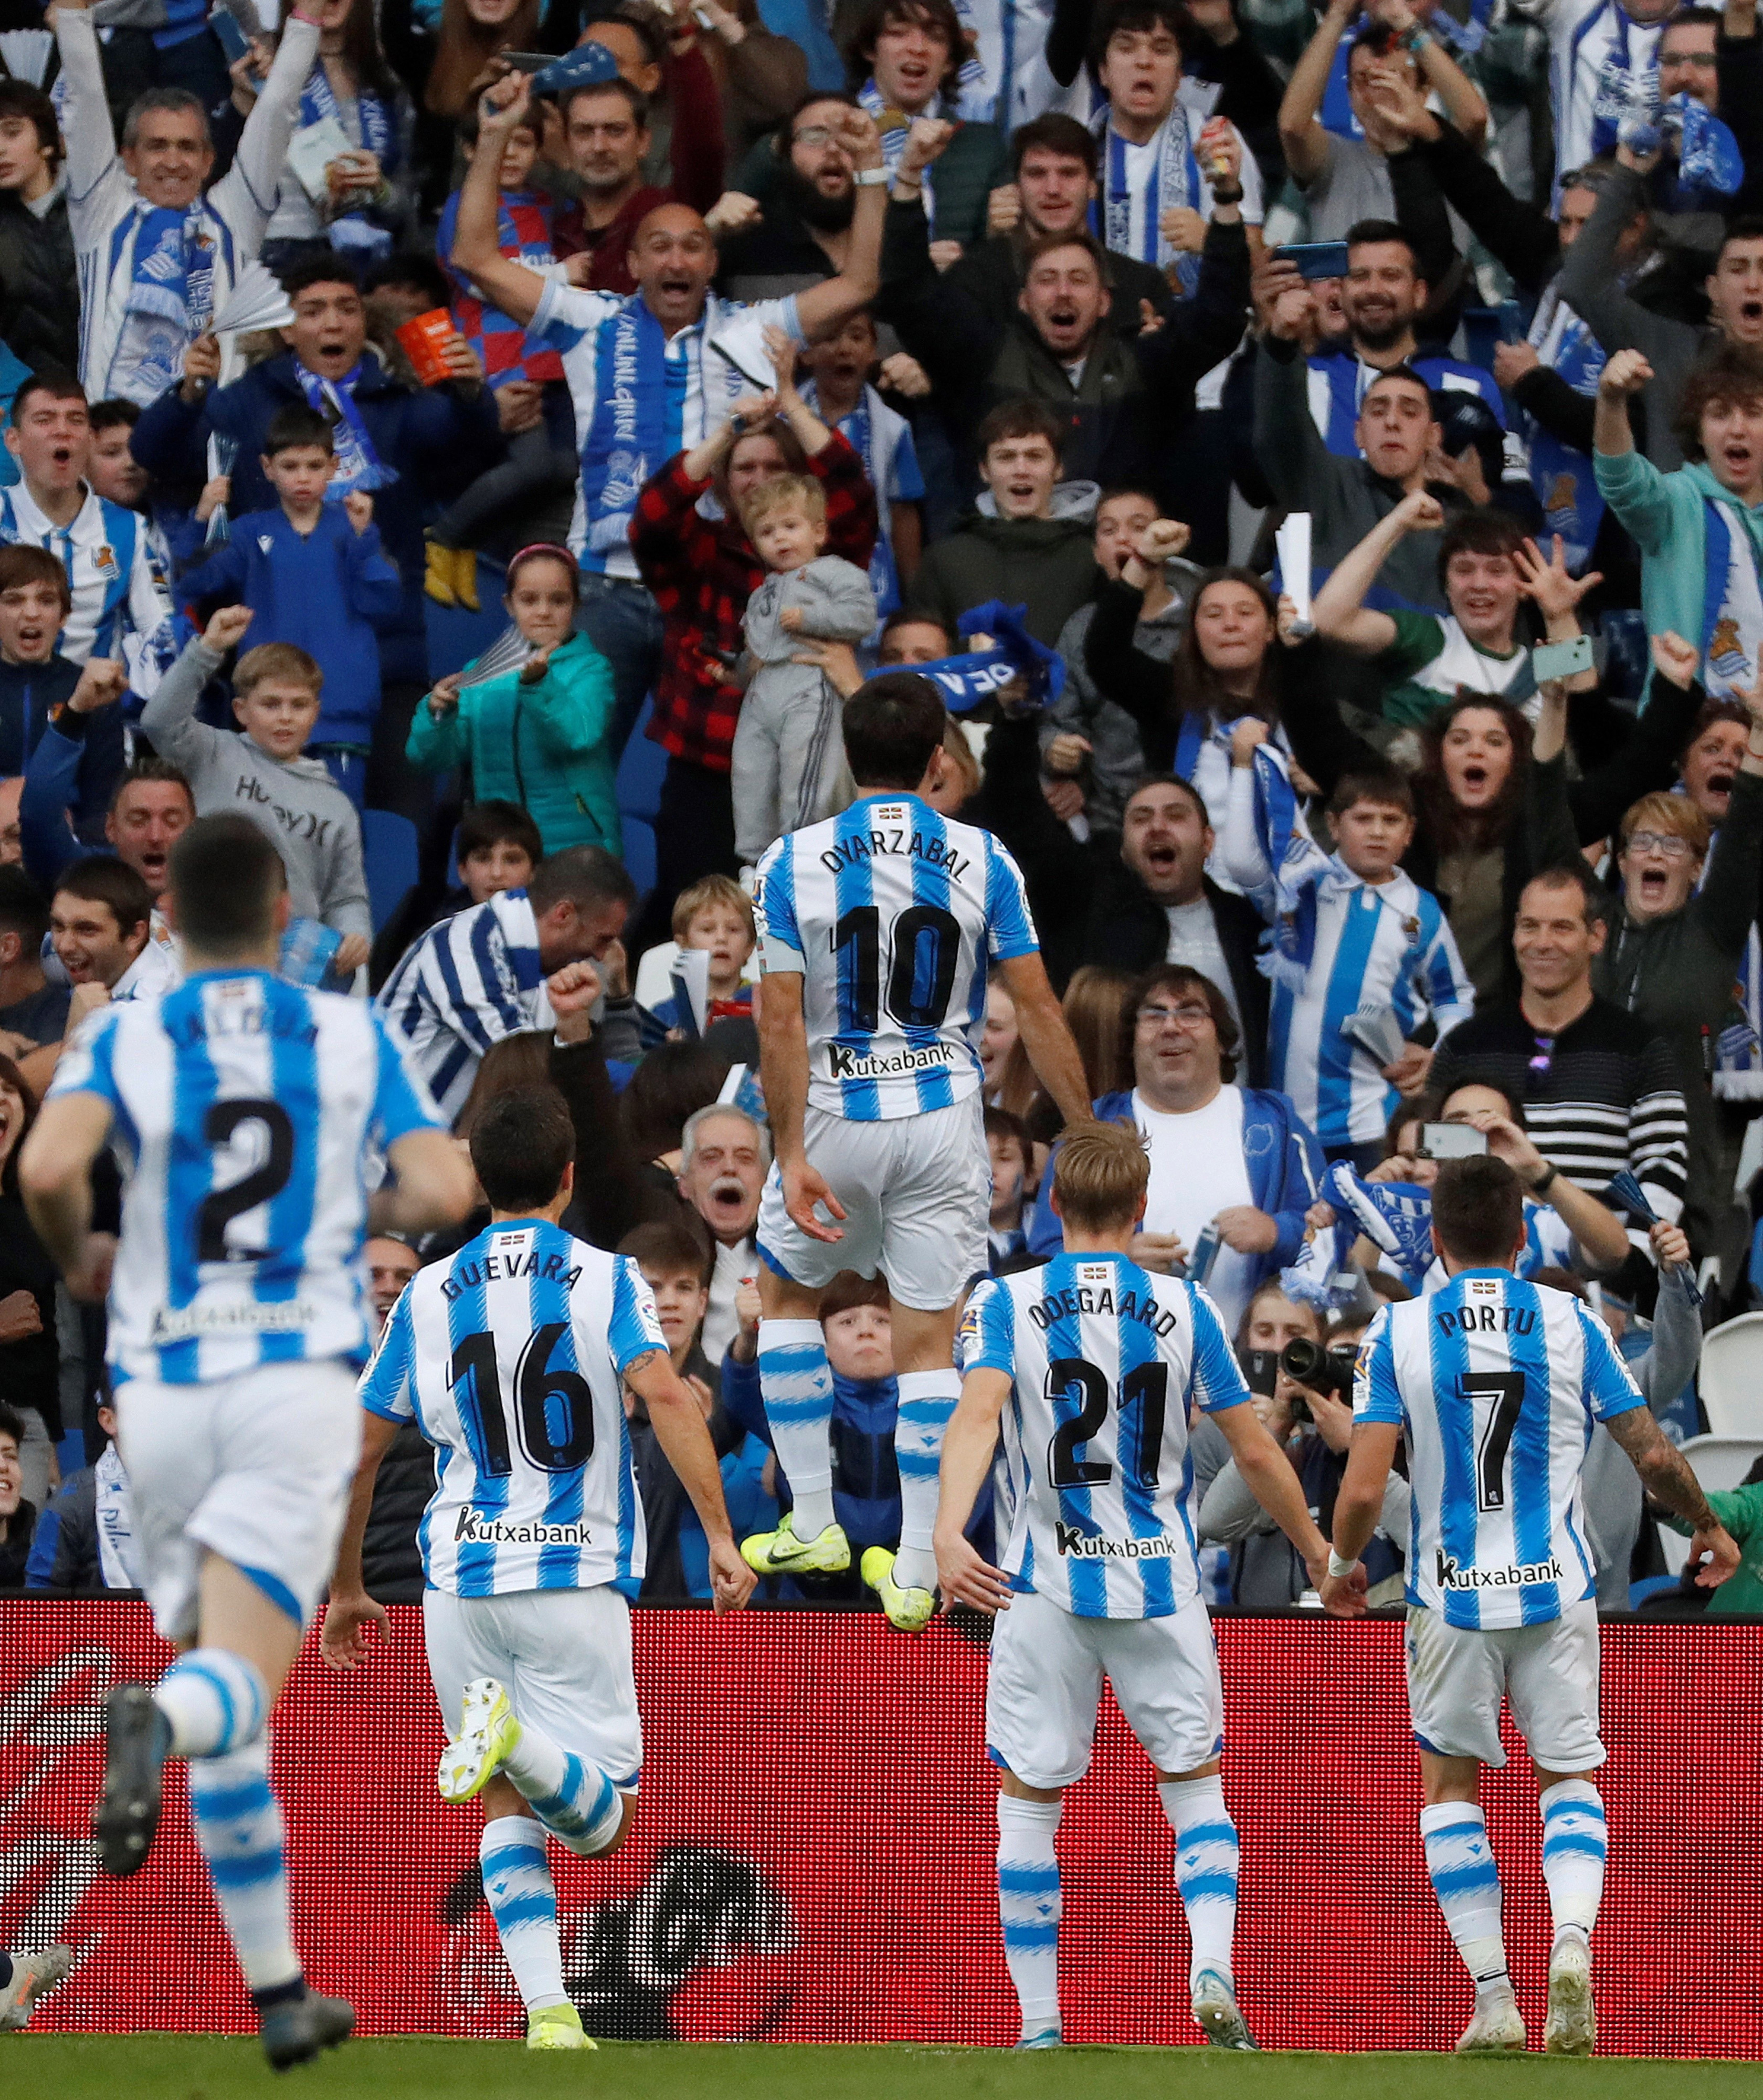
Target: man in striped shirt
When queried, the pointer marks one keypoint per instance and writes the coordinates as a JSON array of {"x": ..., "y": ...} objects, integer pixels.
[
  {"x": 1601, "y": 1090},
  {"x": 483, "y": 974}
]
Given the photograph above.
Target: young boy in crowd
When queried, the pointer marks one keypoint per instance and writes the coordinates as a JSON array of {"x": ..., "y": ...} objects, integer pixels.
[
  {"x": 676, "y": 1265},
  {"x": 37, "y": 681},
  {"x": 497, "y": 848},
  {"x": 787, "y": 761},
  {"x": 1367, "y": 957},
  {"x": 314, "y": 573},
  {"x": 262, "y": 774},
  {"x": 1007, "y": 1143},
  {"x": 714, "y": 914}
]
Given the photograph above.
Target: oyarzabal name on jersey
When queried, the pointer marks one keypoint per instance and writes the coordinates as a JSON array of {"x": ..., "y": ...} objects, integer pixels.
[
  {"x": 475, "y": 1530},
  {"x": 1088, "y": 1545},
  {"x": 895, "y": 838},
  {"x": 1453, "y": 1577},
  {"x": 232, "y": 1316},
  {"x": 844, "y": 1063}
]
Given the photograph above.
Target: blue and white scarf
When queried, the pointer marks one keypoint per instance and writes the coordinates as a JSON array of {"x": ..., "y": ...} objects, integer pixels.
[
  {"x": 1562, "y": 477},
  {"x": 893, "y": 139},
  {"x": 858, "y": 430},
  {"x": 1732, "y": 604},
  {"x": 1176, "y": 182},
  {"x": 376, "y": 129},
  {"x": 626, "y": 439},
  {"x": 964, "y": 682},
  {"x": 174, "y": 267},
  {"x": 358, "y": 465},
  {"x": 118, "y": 1562}
]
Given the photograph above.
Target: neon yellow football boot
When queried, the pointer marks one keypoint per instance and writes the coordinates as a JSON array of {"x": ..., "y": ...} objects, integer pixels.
[
  {"x": 556, "y": 2026},
  {"x": 488, "y": 1736},
  {"x": 910, "y": 1610},
  {"x": 781, "y": 1552}
]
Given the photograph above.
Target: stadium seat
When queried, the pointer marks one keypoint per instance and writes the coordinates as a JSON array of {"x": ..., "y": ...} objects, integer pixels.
[
  {"x": 388, "y": 851},
  {"x": 1730, "y": 1377},
  {"x": 1717, "y": 1462}
]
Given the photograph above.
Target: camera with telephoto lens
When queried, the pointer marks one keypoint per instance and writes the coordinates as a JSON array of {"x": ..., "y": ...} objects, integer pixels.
[{"x": 1309, "y": 1363}]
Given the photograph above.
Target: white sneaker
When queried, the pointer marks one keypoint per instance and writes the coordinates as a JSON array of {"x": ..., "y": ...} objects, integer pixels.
[
  {"x": 34, "y": 1977},
  {"x": 1571, "y": 2026},
  {"x": 1497, "y": 2028},
  {"x": 1215, "y": 2010}
]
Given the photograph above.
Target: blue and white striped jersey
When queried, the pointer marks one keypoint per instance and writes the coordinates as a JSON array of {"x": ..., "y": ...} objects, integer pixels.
[
  {"x": 1108, "y": 1362},
  {"x": 469, "y": 981},
  {"x": 122, "y": 607},
  {"x": 1497, "y": 1384},
  {"x": 891, "y": 914},
  {"x": 509, "y": 1358},
  {"x": 243, "y": 1111},
  {"x": 1386, "y": 948}
]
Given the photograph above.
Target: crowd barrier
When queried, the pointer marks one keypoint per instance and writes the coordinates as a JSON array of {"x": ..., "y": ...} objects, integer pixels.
[{"x": 814, "y": 1857}]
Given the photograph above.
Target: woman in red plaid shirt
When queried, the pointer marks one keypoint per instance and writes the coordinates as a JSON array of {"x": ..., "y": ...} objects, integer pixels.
[{"x": 701, "y": 572}]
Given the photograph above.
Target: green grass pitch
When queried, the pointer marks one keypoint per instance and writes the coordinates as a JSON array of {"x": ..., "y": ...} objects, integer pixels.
[{"x": 159, "y": 2067}]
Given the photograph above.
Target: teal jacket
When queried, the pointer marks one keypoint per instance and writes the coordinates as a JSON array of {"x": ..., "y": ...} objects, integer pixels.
[
  {"x": 542, "y": 745},
  {"x": 1667, "y": 513}
]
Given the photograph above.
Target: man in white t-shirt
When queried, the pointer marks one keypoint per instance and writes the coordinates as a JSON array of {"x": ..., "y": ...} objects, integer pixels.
[{"x": 1229, "y": 1164}]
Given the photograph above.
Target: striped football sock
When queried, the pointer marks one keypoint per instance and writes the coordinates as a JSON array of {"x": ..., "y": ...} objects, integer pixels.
[
  {"x": 1206, "y": 1868},
  {"x": 1028, "y": 1906},
  {"x": 795, "y": 1384},
  {"x": 1574, "y": 1839},
  {"x": 1466, "y": 1881},
  {"x": 213, "y": 1701},
  {"x": 239, "y": 1830},
  {"x": 571, "y": 1797},
  {"x": 522, "y": 1901},
  {"x": 926, "y": 1400}
]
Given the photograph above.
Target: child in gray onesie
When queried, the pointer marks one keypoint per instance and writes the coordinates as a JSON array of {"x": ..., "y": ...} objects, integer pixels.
[{"x": 789, "y": 756}]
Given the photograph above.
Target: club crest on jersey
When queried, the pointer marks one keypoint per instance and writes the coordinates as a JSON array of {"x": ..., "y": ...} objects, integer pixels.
[
  {"x": 1452, "y": 1575},
  {"x": 104, "y": 559},
  {"x": 1077, "y": 1545}
]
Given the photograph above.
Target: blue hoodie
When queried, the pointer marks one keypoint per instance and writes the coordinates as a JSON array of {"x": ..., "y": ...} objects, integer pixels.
[
  {"x": 325, "y": 591},
  {"x": 1284, "y": 1164}
]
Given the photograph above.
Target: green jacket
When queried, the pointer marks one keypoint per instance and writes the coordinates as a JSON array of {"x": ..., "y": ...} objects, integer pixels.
[
  {"x": 1741, "y": 1510},
  {"x": 1046, "y": 563},
  {"x": 1667, "y": 515},
  {"x": 542, "y": 745}
]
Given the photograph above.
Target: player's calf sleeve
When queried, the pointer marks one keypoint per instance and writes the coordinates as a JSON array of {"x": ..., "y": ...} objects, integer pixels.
[
  {"x": 576, "y": 1801},
  {"x": 523, "y": 1900},
  {"x": 1207, "y": 1856},
  {"x": 1028, "y": 1906},
  {"x": 1573, "y": 1854},
  {"x": 213, "y": 1701},
  {"x": 795, "y": 1383},
  {"x": 926, "y": 1400},
  {"x": 1466, "y": 1881},
  {"x": 238, "y": 1828}
]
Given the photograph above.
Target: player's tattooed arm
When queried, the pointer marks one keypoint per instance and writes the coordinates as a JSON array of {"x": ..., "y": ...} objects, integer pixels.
[
  {"x": 968, "y": 1444},
  {"x": 1665, "y": 1474}
]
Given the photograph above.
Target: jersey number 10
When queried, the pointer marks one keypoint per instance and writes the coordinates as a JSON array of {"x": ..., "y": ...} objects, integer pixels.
[
  {"x": 553, "y": 1408},
  {"x": 1145, "y": 1388},
  {"x": 917, "y": 997}
]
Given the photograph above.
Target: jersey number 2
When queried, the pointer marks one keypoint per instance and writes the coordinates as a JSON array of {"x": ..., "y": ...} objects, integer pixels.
[
  {"x": 262, "y": 1184},
  {"x": 918, "y": 997},
  {"x": 1505, "y": 1389},
  {"x": 1147, "y": 1387},
  {"x": 553, "y": 1409}
]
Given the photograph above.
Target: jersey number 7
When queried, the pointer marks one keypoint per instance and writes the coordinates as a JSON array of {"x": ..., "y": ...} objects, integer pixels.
[
  {"x": 1144, "y": 1390},
  {"x": 1505, "y": 1389},
  {"x": 553, "y": 1409}
]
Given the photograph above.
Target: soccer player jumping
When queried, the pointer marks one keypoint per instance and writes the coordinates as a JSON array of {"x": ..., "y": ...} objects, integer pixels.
[
  {"x": 509, "y": 1358},
  {"x": 877, "y": 926},
  {"x": 240, "y": 1109},
  {"x": 1092, "y": 1364},
  {"x": 1495, "y": 1385}
]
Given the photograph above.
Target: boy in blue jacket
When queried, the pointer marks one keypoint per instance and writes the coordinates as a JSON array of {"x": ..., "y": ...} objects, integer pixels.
[{"x": 314, "y": 573}]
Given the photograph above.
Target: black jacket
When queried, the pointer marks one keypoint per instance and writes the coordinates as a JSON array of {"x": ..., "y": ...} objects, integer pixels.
[
  {"x": 39, "y": 286},
  {"x": 391, "y": 1566}
]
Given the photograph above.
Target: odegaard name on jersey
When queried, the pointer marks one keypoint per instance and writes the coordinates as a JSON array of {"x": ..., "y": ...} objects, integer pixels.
[{"x": 1128, "y": 1304}]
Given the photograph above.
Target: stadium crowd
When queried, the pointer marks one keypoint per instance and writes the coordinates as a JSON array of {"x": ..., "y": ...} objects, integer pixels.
[{"x": 741, "y": 350}]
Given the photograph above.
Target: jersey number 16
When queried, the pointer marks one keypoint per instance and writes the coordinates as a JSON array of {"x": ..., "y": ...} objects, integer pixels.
[{"x": 553, "y": 1408}]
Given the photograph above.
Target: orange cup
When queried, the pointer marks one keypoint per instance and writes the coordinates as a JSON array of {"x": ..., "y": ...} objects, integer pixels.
[{"x": 424, "y": 340}]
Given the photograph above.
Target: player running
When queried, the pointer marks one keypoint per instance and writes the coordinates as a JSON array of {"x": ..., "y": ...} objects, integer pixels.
[
  {"x": 877, "y": 926},
  {"x": 1093, "y": 1365},
  {"x": 509, "y": 1359},
  {"x": 241, "y": 1109},
  {"x": 1495, "y": 1385}
]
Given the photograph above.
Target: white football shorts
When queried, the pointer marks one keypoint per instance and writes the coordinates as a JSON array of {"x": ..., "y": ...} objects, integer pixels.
[
  {"x": 563, "y": 1656},
  {"x": 917, "y": 1191},
  {"x": 1045, "y": 1685},
  {"x": 256, "y": 1467},
  {"x": 1457, "y": 1675}
]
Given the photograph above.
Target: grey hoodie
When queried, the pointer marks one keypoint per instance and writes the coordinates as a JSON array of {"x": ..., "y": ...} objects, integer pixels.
[{"x": 312, "y": 822}]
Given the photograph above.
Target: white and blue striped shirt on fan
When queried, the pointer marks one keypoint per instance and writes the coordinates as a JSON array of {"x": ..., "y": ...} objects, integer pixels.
[
  {"x": 509, "y": 1359},
  {"x": 242, "y": 1109},
  {"x": 1107, "y": 1362},
  {"x": 1385, "y": 948},
  {"x": 891, "y": 914},
  {"x": 468, "y": 982},
  {"x": 1498, "y": 1384}
]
